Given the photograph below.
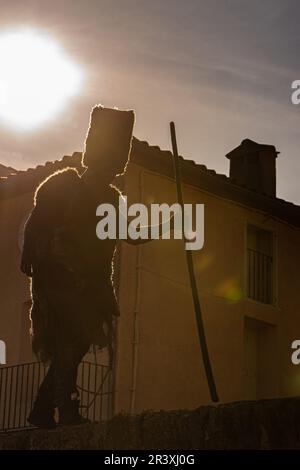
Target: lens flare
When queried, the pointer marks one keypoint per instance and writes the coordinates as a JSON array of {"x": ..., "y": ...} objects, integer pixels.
[{"x": 230, "y": 290}]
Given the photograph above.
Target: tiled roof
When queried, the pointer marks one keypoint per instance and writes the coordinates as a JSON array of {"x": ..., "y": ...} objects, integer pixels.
[
  {"x": 161, "y": 161},
  {"x": 6, "y": 171},
  {"x": 26, "y": 181},
  {"x": 200, "y": 176}
]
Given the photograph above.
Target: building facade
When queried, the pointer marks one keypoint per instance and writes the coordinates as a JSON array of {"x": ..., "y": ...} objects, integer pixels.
[{"x": 247, "y": 276}]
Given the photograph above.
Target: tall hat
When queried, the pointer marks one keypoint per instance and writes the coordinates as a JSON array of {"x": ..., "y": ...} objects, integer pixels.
[{"x": 109, "y": 137}]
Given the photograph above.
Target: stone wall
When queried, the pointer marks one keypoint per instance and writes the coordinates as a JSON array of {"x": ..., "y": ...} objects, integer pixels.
[{"x": 266, "y": 424}]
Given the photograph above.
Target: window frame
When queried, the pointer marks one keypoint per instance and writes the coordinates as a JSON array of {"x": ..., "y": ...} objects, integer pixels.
[{"x": 273, "y": 232}]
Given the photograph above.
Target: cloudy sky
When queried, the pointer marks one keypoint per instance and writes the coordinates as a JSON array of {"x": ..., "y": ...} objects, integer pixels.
[{"x": 221, "y": 69}]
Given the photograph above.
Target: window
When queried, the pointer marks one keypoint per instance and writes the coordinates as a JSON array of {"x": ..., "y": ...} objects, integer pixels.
[{"x": 260, "y": 265}]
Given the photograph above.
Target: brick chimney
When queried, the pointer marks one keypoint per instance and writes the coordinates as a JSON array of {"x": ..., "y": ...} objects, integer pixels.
[{"x": 254, "y": 165}]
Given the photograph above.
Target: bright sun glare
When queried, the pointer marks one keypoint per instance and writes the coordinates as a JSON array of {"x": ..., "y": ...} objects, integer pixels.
[{"x": 36, "y": 79}]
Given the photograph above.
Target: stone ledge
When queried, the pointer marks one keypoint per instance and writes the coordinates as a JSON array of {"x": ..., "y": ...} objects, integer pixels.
[{"x": 265, "y": 424}]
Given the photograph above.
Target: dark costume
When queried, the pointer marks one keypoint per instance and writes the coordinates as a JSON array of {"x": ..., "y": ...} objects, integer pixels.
[{"x": 71, "y": 269}]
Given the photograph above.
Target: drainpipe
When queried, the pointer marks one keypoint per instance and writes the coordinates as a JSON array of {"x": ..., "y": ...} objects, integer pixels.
[{"x": 137, "y": 295}]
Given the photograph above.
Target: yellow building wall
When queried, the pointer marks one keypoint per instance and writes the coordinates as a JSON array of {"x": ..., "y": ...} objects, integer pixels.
[
  {"x": 159, "y": 364},
  {"x": 14, "y": 286}
]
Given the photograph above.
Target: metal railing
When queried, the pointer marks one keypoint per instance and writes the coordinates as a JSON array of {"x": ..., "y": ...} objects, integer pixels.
[
  {"x": 260, "y": 276},
  {"x": 19, "y": 385}
]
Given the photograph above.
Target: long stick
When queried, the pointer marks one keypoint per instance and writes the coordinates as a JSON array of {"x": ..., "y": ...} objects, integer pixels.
[{"x": 190, "y": 264}]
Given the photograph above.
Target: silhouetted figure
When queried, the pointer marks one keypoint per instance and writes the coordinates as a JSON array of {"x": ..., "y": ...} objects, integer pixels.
[{"x": 72, "y": 293}]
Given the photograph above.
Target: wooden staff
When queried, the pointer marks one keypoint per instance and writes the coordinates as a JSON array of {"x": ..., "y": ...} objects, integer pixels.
[{"x": 190, "y": 264}]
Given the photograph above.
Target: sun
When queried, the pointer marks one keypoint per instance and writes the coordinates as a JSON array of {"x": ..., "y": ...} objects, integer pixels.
[{"x": 36, "y": 79}]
